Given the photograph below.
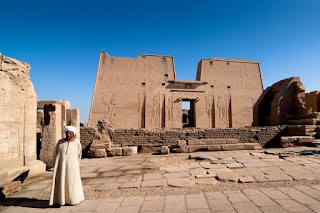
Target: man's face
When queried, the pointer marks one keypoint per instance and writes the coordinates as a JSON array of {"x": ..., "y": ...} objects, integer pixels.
[{"x": 69, "y": 135}]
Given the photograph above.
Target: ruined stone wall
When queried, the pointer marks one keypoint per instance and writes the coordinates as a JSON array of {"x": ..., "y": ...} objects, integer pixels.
[
  {"x": 284, "y": 103},
  {"x": 312, "y": 100},
  {"x": 18, "y": 109},
  {"x": 162, "y": 137},
  {"x": 88, "y": 134}
]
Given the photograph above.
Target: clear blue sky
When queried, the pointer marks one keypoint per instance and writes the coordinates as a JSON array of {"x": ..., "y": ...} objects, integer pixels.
[{"x": 61, "y": 40}]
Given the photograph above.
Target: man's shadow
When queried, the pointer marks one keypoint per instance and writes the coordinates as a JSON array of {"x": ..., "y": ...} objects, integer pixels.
[{"x": 26, "y": 202}]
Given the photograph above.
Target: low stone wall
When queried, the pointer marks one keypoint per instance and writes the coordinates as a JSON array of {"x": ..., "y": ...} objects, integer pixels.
[
  {"x": 87, "y": 135},
  {"x": 265, "y": 136}
]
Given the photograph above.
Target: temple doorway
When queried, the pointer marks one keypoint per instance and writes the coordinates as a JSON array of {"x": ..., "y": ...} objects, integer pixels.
[{"x": 188, "y": 113}]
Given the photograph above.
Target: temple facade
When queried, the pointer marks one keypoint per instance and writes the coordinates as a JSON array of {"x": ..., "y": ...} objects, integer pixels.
[{"x": 143, "y": 92}]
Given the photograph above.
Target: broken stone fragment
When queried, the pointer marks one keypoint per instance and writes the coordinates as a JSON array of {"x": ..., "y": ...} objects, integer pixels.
[
  {"x": 97, "y": 153},
  {"x": 164, "y": 150}
]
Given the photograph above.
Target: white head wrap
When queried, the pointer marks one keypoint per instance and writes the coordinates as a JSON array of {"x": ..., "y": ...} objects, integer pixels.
[{"x": 71, "y": 128}]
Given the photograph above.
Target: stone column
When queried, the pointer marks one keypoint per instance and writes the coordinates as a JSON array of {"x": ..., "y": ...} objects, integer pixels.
[
  {"x": 73, "y": 119},
  {"x": 51, "y": 132}
]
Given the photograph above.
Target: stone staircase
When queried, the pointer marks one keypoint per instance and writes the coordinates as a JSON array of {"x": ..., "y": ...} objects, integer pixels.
[{"x": 301, "y": 135}]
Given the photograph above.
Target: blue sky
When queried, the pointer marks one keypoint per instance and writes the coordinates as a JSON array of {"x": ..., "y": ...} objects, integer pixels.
[{"x": 62, "y": 40}]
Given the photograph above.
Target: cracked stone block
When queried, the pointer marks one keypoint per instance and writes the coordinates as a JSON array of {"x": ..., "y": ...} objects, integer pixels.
[
  {"x": 97, "y": 153},
  {"x": 114, "y": 152},
  {"x": 129, "y": 151}
]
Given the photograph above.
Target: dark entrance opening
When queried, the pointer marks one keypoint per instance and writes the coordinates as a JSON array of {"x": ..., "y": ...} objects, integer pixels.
[{"x": 188, "y": 113}]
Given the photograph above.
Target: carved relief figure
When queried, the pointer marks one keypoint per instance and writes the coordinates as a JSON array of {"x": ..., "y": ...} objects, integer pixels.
[
  {"x": 110, "y": 112},
  {"x": 222, "y": 110},
  {"x": 155, "y": 110},
  {"x": 169, "y": 109},
  {"x": 208, "y": 107}
]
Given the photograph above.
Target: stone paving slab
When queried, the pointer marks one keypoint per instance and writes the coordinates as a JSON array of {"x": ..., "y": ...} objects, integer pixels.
[
  {"x": 130, "y": 185},
  {"x": 180, "y": 182},
  {"x": 197, "y": 171},
  {"x": 200, "y": 176},
  {"x": 154, "y": 183},
  {"x": 248, "y": 179},
  {"x": 220, "y": 205},
  {"x": 152, "y": 176},
  {"x": 176, "y": 175},
  {"x": 227, "y": 176},
  {"x": 108, "y": 186},
  {"x": 102, "y": 180},
  {"x": 234, "y": 165},
  {"x": 215, "y": 171}
]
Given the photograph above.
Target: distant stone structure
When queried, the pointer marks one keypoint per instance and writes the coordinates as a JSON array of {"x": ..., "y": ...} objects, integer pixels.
[
  {"x": 52, "y": 117},
  {"x": 18, "y": 107},
  {"x": 143, "y": 92}
]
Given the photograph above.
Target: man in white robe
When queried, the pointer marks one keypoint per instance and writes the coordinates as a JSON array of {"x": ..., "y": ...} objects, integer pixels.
[{"x": 66, "y": 182}]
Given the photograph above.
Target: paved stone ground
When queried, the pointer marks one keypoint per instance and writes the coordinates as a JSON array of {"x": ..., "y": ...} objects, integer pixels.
[{"x": 273, "y": 180}]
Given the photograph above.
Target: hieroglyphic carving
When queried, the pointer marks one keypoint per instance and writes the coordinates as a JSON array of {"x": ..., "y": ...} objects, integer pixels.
[
  {"x": 110, "y": 112},
  {"x": 222, "y": 110},
  {"x": 155, "y": 110}
]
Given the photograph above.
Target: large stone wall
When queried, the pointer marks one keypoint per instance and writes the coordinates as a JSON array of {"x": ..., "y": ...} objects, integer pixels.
[
  {"x": 18, "y": 109},
  {"x": 266, "y": 136},
  {"x": 233, "y": 88},
  {"x": 143, "y": 92}
]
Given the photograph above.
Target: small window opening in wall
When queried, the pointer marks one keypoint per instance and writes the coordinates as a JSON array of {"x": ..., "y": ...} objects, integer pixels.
[
  {"x": 166, "y": 75},
  {"x": 144, "y": 57},
  {"x": 163, "y": 59},
  {"x": 163, "y": 84},
  {"x": 229, "y": 86},
  {"x": 211, "y": 62},
  {"x": 211, "y": 86},
  {"x": 227, "y": 63},
  {"x": 143, "y": 83}
]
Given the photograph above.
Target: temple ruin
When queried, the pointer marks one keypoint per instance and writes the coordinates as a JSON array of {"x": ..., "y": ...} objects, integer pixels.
[
  {"x": 18, "y": 110},
  {"x": 286, "y": 103},
  {"x": 143, "y": 92},
  {"x": 52, "y": 117}
]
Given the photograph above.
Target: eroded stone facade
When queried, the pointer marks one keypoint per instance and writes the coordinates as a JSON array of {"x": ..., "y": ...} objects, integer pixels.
[
  {"x": 285, "y": 103},
  {"x": 143, "y": 92},
  {"x": 18, "y": 110}
]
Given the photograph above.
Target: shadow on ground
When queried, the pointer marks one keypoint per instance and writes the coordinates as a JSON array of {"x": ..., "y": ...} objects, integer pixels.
[{"x": 26, "y": 202}]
